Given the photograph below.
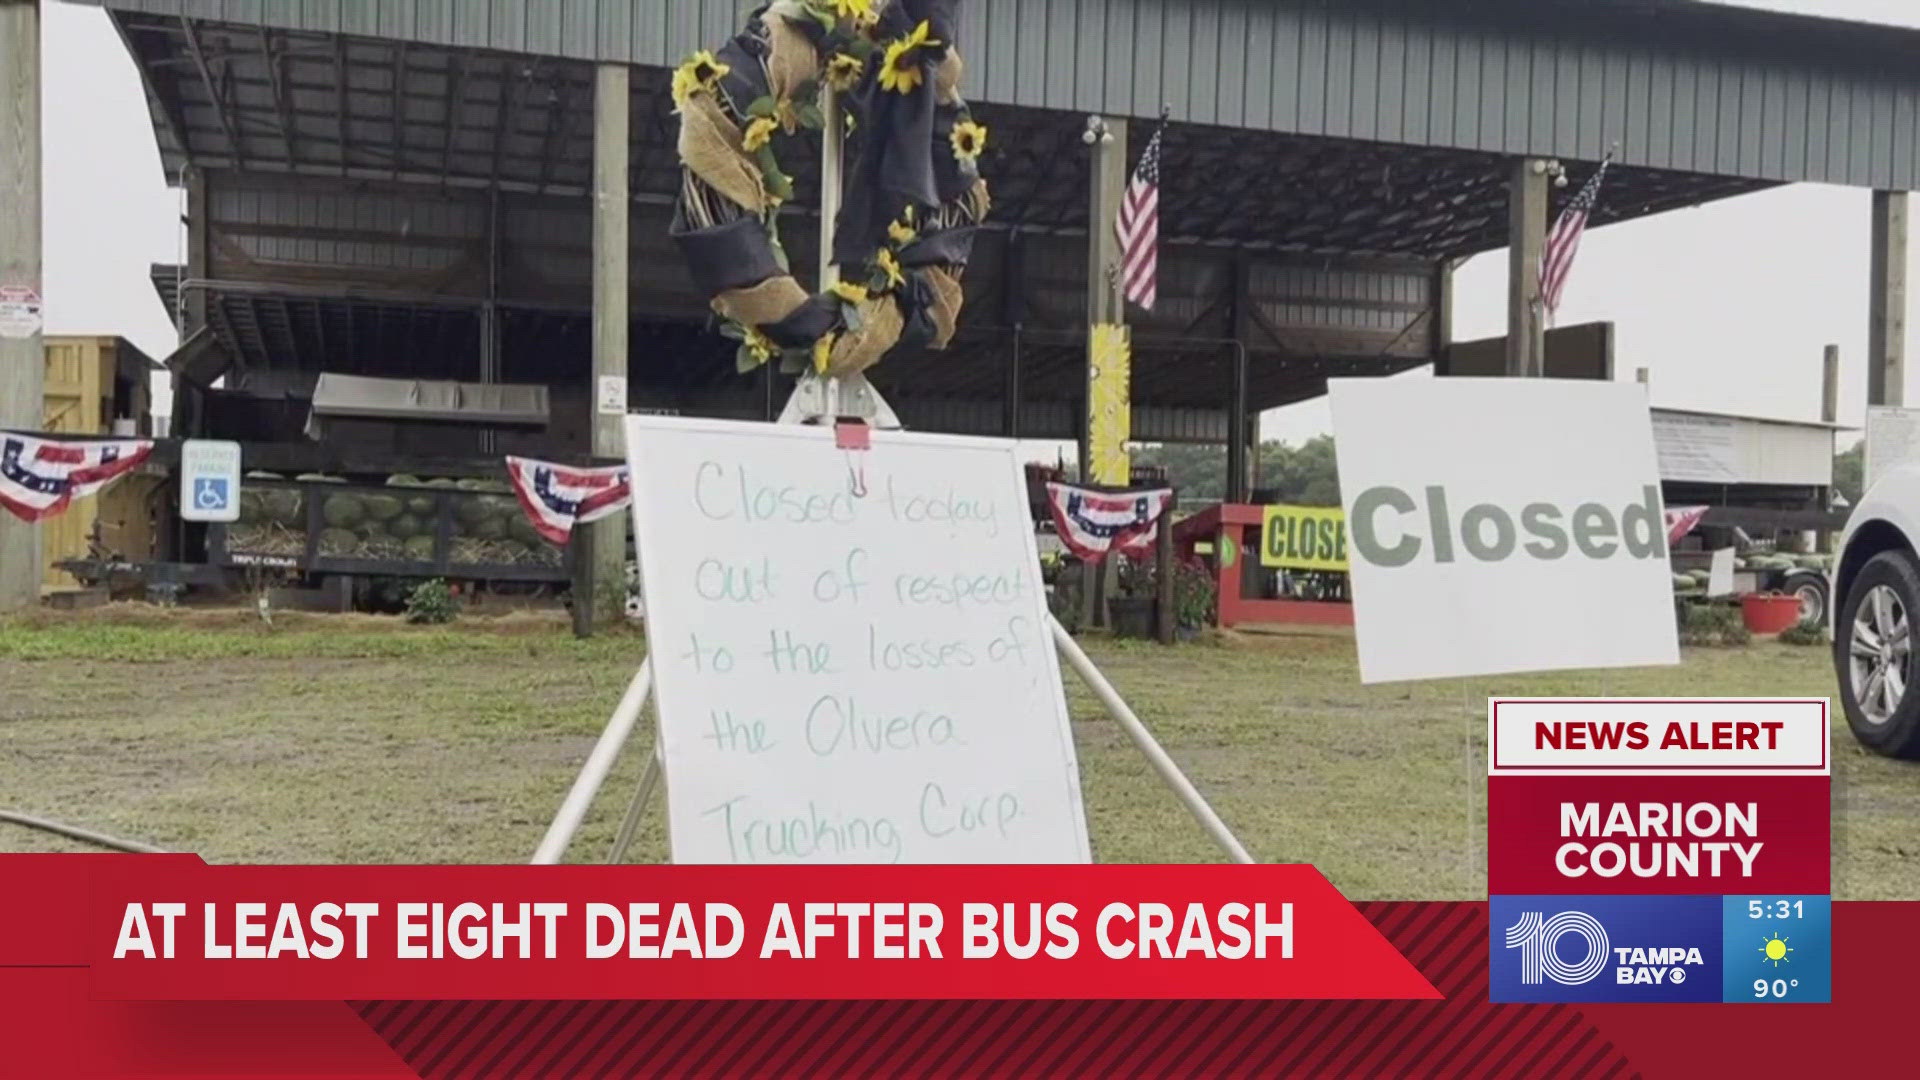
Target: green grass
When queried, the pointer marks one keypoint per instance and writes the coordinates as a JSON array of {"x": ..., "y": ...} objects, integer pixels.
[{"x": 352, "y": 739}]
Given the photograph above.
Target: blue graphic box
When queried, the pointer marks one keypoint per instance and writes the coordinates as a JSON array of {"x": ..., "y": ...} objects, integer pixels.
[{"x": 1605, "y": 948}]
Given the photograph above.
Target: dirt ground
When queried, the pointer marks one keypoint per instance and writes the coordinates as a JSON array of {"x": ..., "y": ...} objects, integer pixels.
[{"x": 359, "y": 739}]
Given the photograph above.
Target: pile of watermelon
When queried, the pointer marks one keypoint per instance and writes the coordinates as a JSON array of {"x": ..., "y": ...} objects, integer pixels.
[{"x": 398, "y": 525}]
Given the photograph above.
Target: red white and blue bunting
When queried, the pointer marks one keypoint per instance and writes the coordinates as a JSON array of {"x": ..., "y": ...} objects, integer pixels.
[
  {"x": 1093, "y": 521},
  {"x": 557, "y": 497},
  {"x": 40, "y": 477},
  {"x": 1681, "y": 520}
]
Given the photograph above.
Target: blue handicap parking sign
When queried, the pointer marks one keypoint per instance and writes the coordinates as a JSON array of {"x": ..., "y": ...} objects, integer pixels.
[{"x": 211, "y": 493}]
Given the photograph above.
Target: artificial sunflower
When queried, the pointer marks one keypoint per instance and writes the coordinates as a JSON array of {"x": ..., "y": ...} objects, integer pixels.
[
  {"x": 760, "y": 345},
  {"x": 902, "y": 232},
  {"x": 968, "y": 139},
  {"x": 844, "y": 71},
  {"x": 759, "y": 132},
  {"x": 850, "y": 291},
  {"x": 823, "y": 351},
  {"x": 860, "y": 11},
  {"x": 700, "y": 72},
  {"x": 787, "y": 115},
  {"x": 900, "y": 71},
  {"x": 890, "y": 266}
]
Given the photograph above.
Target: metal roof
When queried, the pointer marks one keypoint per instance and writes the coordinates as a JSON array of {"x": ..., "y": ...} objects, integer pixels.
[
  {"x": 1678, "y": 84},
  {"x": 229, "y": 96}
]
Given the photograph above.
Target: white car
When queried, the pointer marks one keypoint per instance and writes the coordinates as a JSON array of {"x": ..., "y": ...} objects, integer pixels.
[{"x": 1876, "y": 586}]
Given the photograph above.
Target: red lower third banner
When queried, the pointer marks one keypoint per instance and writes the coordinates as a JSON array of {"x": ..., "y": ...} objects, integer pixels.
[
  {"x": 173, "y": 928},
  {"x": 56, "y": 1022}
]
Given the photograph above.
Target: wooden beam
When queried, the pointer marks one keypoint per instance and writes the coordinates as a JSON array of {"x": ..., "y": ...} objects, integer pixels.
[
  {"x": 456, "y": 88},
  {"x": 276, "y": 82},
  {"x": 398, "y": 109},
  {"x": 214, "y": 96},
  {"x": 340, "y": 101},
  {"x": 1526, "y": 240}
]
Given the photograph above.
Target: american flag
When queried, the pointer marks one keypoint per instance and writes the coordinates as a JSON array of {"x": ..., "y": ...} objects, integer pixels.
[
  {"x": 1563, "y": 242},
  {"x": 1139, "y": 227}
]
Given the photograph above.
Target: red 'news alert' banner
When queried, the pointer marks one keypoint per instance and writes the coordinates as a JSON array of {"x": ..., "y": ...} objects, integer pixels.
[{"x": 172, "y": 928}]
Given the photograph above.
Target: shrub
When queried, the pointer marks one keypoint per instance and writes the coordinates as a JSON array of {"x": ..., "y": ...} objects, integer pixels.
[
  {"x": 1806, "y": 633},
  {"x": 432, "y": 601},
  {"x": 1712, "y": 624}
]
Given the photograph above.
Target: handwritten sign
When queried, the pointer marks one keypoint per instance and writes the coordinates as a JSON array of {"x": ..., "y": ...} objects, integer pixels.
[
  {"x": 846, "y": 677},
  {"x": 1304, "y": 538}
]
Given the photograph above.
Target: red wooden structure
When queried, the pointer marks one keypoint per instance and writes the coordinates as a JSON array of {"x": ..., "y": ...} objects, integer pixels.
[{"x": 1238, "y": 524}]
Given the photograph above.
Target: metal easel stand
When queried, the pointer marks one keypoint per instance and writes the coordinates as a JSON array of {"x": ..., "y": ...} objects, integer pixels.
[{"x": 813, "y": 401}]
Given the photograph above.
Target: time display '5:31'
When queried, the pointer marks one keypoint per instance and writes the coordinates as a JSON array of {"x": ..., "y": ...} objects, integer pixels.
[{"x": 1776, "y": 909}]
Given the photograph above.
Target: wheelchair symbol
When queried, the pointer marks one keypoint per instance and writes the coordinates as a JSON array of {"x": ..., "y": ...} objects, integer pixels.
[{"x": 210, "y": 493}]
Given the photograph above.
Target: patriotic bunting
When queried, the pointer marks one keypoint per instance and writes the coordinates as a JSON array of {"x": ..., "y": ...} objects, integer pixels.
[
  {"x": 1094, "y": 521},
  {"x": 557, "y": 497},
  {"x": 39, "y": 477},
  {"x": 1681, "y": 521}
]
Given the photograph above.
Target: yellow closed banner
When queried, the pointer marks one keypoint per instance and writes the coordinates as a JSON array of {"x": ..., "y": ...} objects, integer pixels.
[{"x": 1304, "y": 538}]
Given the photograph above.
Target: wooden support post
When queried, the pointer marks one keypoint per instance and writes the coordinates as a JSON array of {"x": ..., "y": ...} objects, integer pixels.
[
  {"x": 604, "y": 573},
  {"x": 1105, "y": 305},
  {"x": 1237, "y": 429},
  {"x": 1887, "y": 301},
  {"x": 1526, "y": 240},
  {"x": 1164, "y": 579},
  {"x": 23, "y": 361},
  {"x": 1441, "y": 330},
  {"x": 1830, "y": 385}
]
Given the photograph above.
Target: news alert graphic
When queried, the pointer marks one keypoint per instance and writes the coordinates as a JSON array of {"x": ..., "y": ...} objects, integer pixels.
[{"x": 1647, "y": 850}]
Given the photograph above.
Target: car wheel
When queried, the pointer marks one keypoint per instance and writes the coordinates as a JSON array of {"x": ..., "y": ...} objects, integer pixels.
[
  {"x": 1811, "y": 588},
  {"x": 1873, "y": 655}
]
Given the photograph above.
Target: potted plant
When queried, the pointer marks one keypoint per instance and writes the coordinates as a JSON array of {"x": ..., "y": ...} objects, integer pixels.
[
  {"x": 1130, "y": 611},
  {"x": 1193, "y": 599}
]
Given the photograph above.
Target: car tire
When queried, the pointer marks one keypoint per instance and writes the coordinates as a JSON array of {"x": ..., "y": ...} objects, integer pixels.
[
  {"x": 1895, "y": 731},
  {"x": 1811, "y": 587}
]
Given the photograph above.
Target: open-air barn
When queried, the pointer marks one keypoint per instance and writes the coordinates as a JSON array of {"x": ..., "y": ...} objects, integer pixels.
[{"x": 404, "y": 189}]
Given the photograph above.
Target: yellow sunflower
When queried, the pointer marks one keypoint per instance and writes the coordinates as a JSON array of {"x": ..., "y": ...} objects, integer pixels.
[
  {"x": 902, "y": 232},
  {"x": 758, "y": 133},
  {"x": 851, "y": 292},
  {"x": 701, "y": 72},
  {"x": 968, "y": 139},
  {"x": 823, "y": 351},
  {"x": 891, "y": 267},
  {"x": 844, "y": 71},
  {"x": 901, "y": 69}
]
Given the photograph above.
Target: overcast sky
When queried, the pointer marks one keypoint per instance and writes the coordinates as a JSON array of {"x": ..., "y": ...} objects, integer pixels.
[{"x": 1728, "y": 305}]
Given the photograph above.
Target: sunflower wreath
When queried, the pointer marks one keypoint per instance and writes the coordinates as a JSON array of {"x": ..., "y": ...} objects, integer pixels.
[{"x": 912, "y": 189}]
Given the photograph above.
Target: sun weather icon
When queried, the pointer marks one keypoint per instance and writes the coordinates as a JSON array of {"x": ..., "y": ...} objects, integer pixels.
[{"x": 1776, "y": 949}]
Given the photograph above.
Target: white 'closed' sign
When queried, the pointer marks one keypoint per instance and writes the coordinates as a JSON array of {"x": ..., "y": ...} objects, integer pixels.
[
  {"x": 851, "y": 648},
  {"x": 1502, "y": 525}
]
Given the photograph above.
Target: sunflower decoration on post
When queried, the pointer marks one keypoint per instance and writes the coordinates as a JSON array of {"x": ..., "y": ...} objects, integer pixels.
[{"x": 913, "y": 193}]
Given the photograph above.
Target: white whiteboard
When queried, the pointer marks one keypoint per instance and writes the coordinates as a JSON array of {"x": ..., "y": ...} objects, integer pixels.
[{"x": 915, "y": 716}]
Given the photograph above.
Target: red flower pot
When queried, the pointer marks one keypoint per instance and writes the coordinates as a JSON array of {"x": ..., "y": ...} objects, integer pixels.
[{"x": 1769, "y": 613}]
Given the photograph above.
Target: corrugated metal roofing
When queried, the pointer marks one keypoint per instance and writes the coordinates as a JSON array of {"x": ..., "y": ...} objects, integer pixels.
[{"x": 1678, "y": 84}]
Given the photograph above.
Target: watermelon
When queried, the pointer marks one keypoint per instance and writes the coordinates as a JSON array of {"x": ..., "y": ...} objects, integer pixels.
[
  {"x": 343, "y": 511},
  {"x": 405, "y": 527},
  {"x": 419, "y": 548},
  {"x": 338, "y": 542},
  {"x": 403, "y": 480},
  {"x": 383, "y": 507}
]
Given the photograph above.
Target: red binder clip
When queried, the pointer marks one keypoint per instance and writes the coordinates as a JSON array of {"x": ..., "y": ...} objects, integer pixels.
[{"x": 851, "y": 436}]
